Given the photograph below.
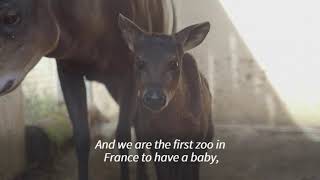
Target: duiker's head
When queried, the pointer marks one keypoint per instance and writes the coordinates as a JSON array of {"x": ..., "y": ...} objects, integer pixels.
[
  {"x": 159, "y": 59},
  {"x": 27, "y": 32}
]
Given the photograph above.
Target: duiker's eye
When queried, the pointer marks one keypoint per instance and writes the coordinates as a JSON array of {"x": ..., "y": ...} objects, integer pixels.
[
  {"x": 11, "y": 18},
  {"x": 140, "y": 64},
  {"x": 174, "y": 65}
]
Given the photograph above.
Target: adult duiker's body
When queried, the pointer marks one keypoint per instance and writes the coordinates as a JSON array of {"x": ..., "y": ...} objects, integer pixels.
[
  {"x": 173, "y": 97},
  {"x": 84, "y": 38}
]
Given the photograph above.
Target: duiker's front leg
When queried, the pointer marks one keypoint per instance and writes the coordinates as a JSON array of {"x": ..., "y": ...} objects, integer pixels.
[
  {"x": 191, "y": 171},
  {"x": 163, "y": 169},
  {"x": 123, "y": 134},
  {"x": 127, "y": 113},
  {"x": 74, "y": 92},
  {"x": 141, "y": 166},
  {"x": 176, "y": 170}
]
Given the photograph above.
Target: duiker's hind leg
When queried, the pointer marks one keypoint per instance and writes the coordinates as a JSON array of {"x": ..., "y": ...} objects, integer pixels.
[
  {"x": 211, "y": 132},
  {"x": 74, "y": 91}
]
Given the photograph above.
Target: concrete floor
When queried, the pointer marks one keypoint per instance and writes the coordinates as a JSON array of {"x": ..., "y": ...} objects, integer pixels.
[{"x": 265, "y": 154}]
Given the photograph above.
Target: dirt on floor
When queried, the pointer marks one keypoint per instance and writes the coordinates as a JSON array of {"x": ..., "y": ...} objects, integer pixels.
[{"x": 251, "y": 154}]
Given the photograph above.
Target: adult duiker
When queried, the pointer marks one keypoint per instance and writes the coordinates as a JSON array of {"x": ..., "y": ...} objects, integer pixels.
[
  {"x": 27, "y": 32},
  {"x": 84, "y": 38}
]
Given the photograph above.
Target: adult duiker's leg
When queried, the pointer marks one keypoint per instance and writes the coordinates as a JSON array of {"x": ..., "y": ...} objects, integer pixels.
[
  {"x": 121, "y": 88},
  {"x": 123, "y": 134},
  {"x": 127, "y": 113},
  {"x": 74, "y": 91}
]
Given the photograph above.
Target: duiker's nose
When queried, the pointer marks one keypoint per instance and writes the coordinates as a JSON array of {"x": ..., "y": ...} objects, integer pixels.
[
  {"x": 154, "y": 99},
  {"x": 6, "y": 86}
]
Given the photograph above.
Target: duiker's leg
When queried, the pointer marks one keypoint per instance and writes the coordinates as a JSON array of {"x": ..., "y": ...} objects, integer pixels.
[
  {"x": 195, "y": 168},
  {"x": 188, "y": 171},
  {"x": 164, "y": 170},
  {"x": 127, "y": 111},
  {"x": 123, "y": 134},
  {"x": 210, "y": 134},
  {"x": 141, "y": 166},
  {"x": 74, "y": 92},
  {"x": 120, "y": 89}
]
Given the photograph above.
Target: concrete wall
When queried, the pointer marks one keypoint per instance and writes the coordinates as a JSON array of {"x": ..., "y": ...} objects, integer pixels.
[
  {"x": 11, "y": 135},
  {"x": 242, "y": 92}
]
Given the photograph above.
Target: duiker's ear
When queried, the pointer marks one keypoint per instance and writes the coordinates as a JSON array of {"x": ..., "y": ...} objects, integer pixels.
[
  {"x": 130, "y": 31},
  {"x": 192, "y": 36}
]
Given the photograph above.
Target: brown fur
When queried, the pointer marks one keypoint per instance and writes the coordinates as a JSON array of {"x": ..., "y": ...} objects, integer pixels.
[
  {"x": 173, "y": 97},
  {"x": 187, "y": 117},
  {"x": 84, "y": 38}
]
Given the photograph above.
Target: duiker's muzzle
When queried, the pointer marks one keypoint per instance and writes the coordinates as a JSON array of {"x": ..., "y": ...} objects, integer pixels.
[{"x": 154, "y": 99}]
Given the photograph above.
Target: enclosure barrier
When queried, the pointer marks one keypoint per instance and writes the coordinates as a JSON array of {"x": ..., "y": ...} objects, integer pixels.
[{"x": 12, "y": 149}]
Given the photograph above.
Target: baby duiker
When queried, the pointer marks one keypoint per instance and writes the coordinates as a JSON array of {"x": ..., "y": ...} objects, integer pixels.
[{"x": 173, "y": 97}]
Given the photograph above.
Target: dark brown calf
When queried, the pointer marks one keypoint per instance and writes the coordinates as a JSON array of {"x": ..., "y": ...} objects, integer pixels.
[{"x": 173, "y": 97}]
